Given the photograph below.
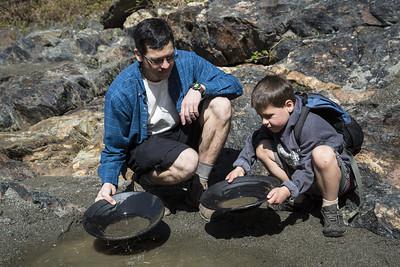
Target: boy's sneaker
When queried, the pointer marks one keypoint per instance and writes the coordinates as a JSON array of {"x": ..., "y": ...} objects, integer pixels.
[{"x": 333, "y": 221}]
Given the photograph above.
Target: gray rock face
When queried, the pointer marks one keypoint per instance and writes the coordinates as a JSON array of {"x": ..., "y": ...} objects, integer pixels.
[
  {"x": 227, "y": 32},
  {"x": 386, "y": 11},
  {"x": 48, "y": 73}
]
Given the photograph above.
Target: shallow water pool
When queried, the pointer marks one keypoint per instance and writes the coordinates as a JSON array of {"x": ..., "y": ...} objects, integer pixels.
[{"x": 165, "y": 249}]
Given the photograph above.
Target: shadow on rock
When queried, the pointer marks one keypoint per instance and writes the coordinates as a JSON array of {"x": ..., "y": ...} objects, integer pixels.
[
  {"x": 146, "y": 242},
  {"x": 254, "y": 222}
]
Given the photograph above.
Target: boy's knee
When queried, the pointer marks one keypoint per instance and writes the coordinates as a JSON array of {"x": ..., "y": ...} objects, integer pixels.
[
  {"x": 323, "y": 156},
  {"x": 221, "y": 108}
]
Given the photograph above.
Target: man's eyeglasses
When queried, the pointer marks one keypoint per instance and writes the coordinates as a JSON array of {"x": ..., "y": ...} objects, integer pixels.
[{"x": 160, "y": 61}]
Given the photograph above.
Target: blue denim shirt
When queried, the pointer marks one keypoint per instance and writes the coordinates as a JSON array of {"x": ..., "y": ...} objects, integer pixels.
[{"x": 125, "y": 107}]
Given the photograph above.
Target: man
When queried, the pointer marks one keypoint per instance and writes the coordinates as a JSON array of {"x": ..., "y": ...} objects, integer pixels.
[{"x": 167, "y": 115}]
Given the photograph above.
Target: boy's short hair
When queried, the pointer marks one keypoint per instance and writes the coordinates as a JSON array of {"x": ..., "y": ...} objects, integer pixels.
[
  {"x": 154, "y": 33},
  {"x": 271, "y": 90}
]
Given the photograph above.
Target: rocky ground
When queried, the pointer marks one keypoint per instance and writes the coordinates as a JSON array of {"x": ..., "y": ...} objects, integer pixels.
[
  {"x": 256, "y": 237},
  {"x": 52, "y": 84}
]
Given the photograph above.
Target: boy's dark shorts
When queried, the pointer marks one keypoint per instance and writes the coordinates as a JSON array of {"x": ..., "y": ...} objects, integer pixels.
[{"x": 160, "y": 151}]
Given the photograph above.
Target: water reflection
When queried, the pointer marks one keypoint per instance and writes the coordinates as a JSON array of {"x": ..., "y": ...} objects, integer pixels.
[{"x": 151, "y": 240}]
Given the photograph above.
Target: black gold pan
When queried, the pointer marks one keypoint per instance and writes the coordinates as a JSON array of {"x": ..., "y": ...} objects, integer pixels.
[
  {"x": 243, "y": 193},
  {"x": 134, "y": 214}
]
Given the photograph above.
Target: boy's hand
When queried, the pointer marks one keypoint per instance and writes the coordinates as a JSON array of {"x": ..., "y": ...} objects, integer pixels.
[
  {"x": 238, "y": 171},
  {"x": 278, "y": 195},
  {"x": 106, "y": 191}
]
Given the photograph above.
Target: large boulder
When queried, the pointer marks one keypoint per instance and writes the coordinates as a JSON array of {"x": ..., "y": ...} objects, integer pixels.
[
  {"x": 229, "y": 32},
  {"x": 120, "y": 10}
]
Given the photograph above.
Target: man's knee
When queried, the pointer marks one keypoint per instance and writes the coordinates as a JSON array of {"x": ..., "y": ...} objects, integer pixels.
[
  {"x": 221, "y": 108},
  {"x": 185, "y": 165},
  {"x": 323, "y": 157}
]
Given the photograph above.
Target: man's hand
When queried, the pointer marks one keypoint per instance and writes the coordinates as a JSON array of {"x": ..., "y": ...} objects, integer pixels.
[
  {"x": 190, "y": 106},
  {"x": 278, "y": 195},
  {"x": 106, "y": 191},
  {"x": 238, "y": 171}
]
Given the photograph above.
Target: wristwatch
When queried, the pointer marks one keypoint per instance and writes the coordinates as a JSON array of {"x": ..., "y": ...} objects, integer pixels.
[{"x": 198, "y": 87}]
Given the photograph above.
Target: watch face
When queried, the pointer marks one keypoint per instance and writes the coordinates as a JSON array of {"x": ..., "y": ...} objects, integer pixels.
[{"x": 196, "y": 86}]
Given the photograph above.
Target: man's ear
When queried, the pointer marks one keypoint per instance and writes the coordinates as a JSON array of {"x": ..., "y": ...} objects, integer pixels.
[
  {"x": 289, "y": 105},
  {"x": 138, "y": 56}
]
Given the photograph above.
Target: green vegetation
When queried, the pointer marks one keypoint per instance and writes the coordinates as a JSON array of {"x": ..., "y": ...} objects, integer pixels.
[
  {"x": 21, "y": 13},
  {"x": 263, "y": 55}
]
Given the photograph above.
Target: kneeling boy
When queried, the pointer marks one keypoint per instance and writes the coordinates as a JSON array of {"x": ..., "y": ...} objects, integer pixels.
[{"x": 317, "y": 162}]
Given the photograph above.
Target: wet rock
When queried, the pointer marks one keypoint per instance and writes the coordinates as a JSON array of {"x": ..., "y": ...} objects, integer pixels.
[
  {"x": 386, "y": 11},
  {"x": 15, "y": 170},
  {"x": 45, "y": 200},
  {"x": 6, "y": 221},
  {"x": 8, "y": 37},
  {"x": 14, "y": 53},
  {"x": 45, "y": 93},
  {"x": 66, "y": 70},
  {"x": 389, "y": 216},
  {"x": 256, "y": 26},
  {"x": 137, "y": 17},
  {"x": 235, "y": 36},
  {"x": 348, "y": 60},
  {"x": 326, "y": 18},
  {"x": 41, "y": 144},
  {"x": 120, "y": 10},
  {"x": 3, "y": 189}
]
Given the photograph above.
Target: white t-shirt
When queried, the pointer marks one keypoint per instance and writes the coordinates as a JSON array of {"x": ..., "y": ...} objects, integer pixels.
[{"x": 162, "y": 111}]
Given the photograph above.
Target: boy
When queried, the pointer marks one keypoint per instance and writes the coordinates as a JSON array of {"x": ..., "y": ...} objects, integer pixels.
[{"x": 318, "y": 163}]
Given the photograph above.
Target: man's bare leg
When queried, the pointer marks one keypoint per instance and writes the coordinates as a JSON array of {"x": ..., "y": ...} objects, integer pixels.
[
  {"x": 181, "y": 170},
  {"x": 216, "y": 121}
]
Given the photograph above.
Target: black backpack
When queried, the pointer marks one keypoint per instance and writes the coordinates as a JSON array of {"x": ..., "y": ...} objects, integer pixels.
[{"x": 335, "y": 115}]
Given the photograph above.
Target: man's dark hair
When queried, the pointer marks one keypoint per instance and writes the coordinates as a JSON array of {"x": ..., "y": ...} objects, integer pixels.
[
  {"x": 271, "y": 90},
  {"x": 154, "y": 33}
]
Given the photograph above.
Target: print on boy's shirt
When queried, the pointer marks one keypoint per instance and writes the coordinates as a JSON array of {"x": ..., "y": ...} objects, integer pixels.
[{"x": 291, "y": 158}]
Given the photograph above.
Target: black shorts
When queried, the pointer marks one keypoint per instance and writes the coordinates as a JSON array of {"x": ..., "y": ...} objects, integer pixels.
[{"x": 160, "y": 151}]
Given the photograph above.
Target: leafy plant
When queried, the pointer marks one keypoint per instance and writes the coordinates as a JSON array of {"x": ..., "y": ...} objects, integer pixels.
[{"x": 263, "y": 56}]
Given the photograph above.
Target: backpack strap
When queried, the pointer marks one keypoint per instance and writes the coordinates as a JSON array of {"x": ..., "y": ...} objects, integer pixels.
[
  {"x": 300, "y": 123},
  {"x": 303, "y": 115}
]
